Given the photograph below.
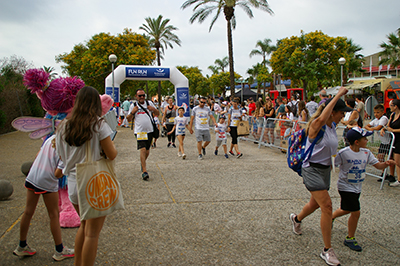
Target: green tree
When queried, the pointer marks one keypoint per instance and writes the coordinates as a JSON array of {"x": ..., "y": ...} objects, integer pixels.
[
  {"x": 219, "y": 82},
  {"x": 221, "y": 64},
  {"x": 265, "y": 49},
  {"x": 203, "y": 8},
  {"x": 391, "y": 50},
  {"x": 263, "y": 77},
  {"x": 198, "y": 83},
  {"x": 89, "y": 60},
  {"x": 253, "y": 73},
  {"x": 310, "y": 58},
  {"x": 161, "y": 36}
]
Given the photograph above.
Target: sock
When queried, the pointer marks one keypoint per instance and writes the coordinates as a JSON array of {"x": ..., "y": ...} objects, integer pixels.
[
  {"x": 59, "y": 248},
  {"x": 22, "y": 244},
  {"x": 297, "y": 221},
  {"x": 326, "y": 249}
]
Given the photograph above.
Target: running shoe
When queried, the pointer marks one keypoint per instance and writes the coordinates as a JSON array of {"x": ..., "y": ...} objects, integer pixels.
[
  {"x": 173, "y": 145},
  {"x": 179, "y": 154},
  {"x": 329, "y": 257},
  {"x": 200, "y": 157},
  {"x": 145, "y": 176},
  {"x": 65, "y": 254},
  {"x": 226, "y": 156},
  {"x": 183, "y": 156},
  {"x": 231, "y": 153},
  {"x": 204, "y": 151},
  {"x": 216, "y": 152},
  {"x": 25, "y": 251},
  {"x": 296, "y": 225},
  {"x": 239, "y": 155},
  {"x": 351, "y": 242},
  {"x": 169, "y": 145},
  {"x": 394, "y": 184}
]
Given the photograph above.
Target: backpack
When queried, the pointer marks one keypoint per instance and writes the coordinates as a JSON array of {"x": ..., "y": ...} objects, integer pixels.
[
  {"x": 297, "y": 152},
  {"x": 294, "y": 108}
]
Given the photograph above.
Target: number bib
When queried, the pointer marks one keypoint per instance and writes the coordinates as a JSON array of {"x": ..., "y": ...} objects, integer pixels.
[
  {"x": 141, "y": 136},
  {"x": 356, "y": 175},
  {"x": 171, "y": 119},
  {"x": 203, "y": 121}
]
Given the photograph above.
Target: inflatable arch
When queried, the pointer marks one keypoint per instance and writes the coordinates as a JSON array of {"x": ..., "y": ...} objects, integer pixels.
[{"x": 137, "y": 72}]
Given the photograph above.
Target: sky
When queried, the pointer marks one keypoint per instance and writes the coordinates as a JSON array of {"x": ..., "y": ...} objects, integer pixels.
[{"x": 39, "y": 30}]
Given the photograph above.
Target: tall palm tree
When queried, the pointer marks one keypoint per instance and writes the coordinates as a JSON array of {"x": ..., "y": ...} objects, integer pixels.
[
  {"x": 391, "y": 50},
  {"x": 222, "y": 63},
  {"x": 356, "y": 58},
  {"x": 253, "y": 73},
  {"x": 161, "y": 36},
  {"x": 203, "y": 8},
  {"x": 214, "y": 69},
  {"x": 265, "y": 50}
]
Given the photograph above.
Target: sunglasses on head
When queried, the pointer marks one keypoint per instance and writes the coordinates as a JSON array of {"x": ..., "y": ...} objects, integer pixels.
[{"x": 141, "y": 95}]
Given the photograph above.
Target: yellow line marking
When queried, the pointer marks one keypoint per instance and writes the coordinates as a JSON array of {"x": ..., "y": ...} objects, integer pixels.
[
  {"x": 165, "y": 182},
  {"x": 11, "y": 227}
]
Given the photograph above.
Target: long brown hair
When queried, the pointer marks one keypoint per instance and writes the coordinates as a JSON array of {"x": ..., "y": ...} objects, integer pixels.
[
  {"x": 302, "y": 106},
  {"x": 84, "y": 118}
]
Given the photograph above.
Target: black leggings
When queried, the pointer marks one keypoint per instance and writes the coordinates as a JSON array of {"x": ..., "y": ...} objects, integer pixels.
[
  {"x": 234, "y": 135},
  {"x": 171, "y": 137}
]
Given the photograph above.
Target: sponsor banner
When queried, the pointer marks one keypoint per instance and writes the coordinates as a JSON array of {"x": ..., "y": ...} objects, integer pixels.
[
  {"x": 141, "y": 72},
  {"x": 109, "y": 91},
  {"x": 182, "y": 97}
]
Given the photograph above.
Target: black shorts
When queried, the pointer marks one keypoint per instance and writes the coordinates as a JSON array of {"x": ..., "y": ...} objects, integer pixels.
[
  {"x": 35, "y": 189},
  {"x": 349, "y": 201},
  {"x": 145, "y": 143},
  {"x": 396, "y": 148},
  {"x": 384, "y": 148}
]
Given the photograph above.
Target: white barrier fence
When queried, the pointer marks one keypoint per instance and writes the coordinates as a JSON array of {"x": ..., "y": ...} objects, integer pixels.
[{"x": 274, "y": 133}]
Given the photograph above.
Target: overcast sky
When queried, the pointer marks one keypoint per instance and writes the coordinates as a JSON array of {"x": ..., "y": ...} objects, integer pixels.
[{"x": 39, "y": 30}]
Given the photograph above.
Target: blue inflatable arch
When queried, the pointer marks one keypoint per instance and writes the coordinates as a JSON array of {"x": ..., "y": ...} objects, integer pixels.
[{"x": 137, "y": 72}]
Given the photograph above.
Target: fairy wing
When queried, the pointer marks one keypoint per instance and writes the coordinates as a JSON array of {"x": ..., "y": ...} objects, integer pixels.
[
  {"x": 37, "y": 134},
  {"x": 29, "y": 124}
]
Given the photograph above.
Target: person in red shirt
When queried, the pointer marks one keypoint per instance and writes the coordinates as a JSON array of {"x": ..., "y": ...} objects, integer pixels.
[{"x": 252, "y": 106}]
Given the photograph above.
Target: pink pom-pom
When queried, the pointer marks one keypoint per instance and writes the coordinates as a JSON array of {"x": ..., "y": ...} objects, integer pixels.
[
  {"x": 106, "y": 103},
  {"x": 36, "y": 80}
]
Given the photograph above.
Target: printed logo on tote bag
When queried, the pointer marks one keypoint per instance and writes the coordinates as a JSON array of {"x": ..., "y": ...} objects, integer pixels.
[{"x": 102, "y": 191}]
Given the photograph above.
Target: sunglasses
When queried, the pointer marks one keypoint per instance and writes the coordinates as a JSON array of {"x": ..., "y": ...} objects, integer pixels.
[
  {"x": 141, "y": 95},
  {"x": 202, "y": 102}
]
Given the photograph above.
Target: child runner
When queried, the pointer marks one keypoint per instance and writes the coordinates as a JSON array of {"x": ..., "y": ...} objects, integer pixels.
[
  {"x": 353, "y": 161},
  {"x": 220, "y": 133},
  {"x": 43, "y": 180},
  {"x": 377, "y": 124},
  {"x": 180, "y": 123},
  {"x": 157, "y": 122},
  {"x": 84, "y": 126}
]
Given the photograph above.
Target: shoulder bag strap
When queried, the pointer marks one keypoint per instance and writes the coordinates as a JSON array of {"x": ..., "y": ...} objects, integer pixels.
[
  {"x": 151, "y": 118},
  {"x": 317, "y": 138}
]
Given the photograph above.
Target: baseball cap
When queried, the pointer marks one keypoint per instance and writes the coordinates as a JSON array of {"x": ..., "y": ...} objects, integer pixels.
[
  {"x": 339, "y": 106},
  {"x": 357, "y": 133},
  {"x": 222, "y": 116}
]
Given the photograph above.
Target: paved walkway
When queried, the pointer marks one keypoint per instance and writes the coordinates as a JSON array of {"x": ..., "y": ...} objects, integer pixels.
[{"x": 212, "y": 212}]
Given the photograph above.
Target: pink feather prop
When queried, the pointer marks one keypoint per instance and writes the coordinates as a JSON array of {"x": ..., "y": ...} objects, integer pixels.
[
  {"x": 106, "y": 103},
  {"x": 36, "y": 80}
]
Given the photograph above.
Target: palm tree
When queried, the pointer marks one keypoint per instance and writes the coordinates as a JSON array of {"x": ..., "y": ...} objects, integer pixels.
[
  {"x": 203, "y": 8},
  {"x": 161, "y": 37},
  {"x": 391, "y": 50},
  {"x": 253, "y": 73},
  {"x": 356, "y": 58},
  {"x": 221, "y": 64},
  {"x": 214, "y": 69},
  {"x": 265, "y": 50}
]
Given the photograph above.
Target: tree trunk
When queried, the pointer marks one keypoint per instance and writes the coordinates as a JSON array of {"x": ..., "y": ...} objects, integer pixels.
[
  {"x": 230, "y": 53},
  {"x": 159, "y": 82}
]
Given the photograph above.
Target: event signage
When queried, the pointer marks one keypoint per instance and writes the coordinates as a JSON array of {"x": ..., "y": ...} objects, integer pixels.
[
  {"x": 144, "y": 72},
  {"x": 182, "y": 97},
  {"x": 395, "y": 84}
]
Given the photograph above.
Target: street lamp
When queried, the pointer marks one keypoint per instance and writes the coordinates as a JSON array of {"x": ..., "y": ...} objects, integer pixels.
[
  {"x": 112, "y": 58},
  {"x": 342, "y": 61}
]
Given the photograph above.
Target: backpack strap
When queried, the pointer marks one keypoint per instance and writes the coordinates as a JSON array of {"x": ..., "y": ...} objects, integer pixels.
[{"x": 317, "y": 138}]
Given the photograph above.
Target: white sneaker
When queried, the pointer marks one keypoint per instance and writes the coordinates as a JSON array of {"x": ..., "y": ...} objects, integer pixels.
[
  {"x": 65, "y": 254},
  {"x": 329, "y": 257},
  {"x": 296, "y": 226},
  {"x": 179, "y": 154},
  {"x": 25, "y": 251},
  {"x": 394, "y": 184},
  {"x": 183, "y": 156}
]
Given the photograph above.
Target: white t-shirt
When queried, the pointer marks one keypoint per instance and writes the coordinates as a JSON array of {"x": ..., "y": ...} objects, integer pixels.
[
  {"x": 72, "y": 155},
  {"x": 217, "y": 108},
  {"x": 41, "y": 174},
  {"x": 236, "y": 114},
  {"x": 142, "y": 120},
  {"x": 381, "y": 122},
  {"x": 180, "y": 125},
  {"x": 201, "y": 116},
  {"x": 220, "y": 131},
  {"x": 312, "y": 107},
  {"x": 352, "y": 168}
]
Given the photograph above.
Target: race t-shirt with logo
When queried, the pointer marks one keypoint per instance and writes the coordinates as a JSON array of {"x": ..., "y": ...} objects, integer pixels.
[
  {"x": 142, "y": 120},
  {"x": 220, "y": 131},
  {"x": 352, "y": 168},
  {"x": 236, "y": 114},
  {"x": 201, "y": 116},
  {"x": 180, "y": 125}
]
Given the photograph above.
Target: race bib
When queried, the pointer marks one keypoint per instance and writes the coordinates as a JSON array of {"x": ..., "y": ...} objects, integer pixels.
[
  {"x": 235, "y": 122},
  {"x": 171, "y": 119},
  {"x": 203, "y": 121},
  {"x": 142, "y": 136},
  {"x": 356, "y": 175}
]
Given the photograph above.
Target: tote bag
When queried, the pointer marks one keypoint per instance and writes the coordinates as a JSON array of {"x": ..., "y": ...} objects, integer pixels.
[
  {"x": 243, "y": 128},
  {"x": 99, "y": 192}
]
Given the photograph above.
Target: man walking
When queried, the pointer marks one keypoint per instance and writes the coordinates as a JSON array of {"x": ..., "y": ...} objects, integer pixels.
[
  {"x": 142, "y": 111},
  {"x": 201, "y": 115},
  {"x": 125, "y": 108},
  {"x": 312, "y": 106}
]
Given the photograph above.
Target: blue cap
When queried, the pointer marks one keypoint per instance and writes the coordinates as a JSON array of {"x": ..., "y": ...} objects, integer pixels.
[{"x": 357, "y": 133}]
